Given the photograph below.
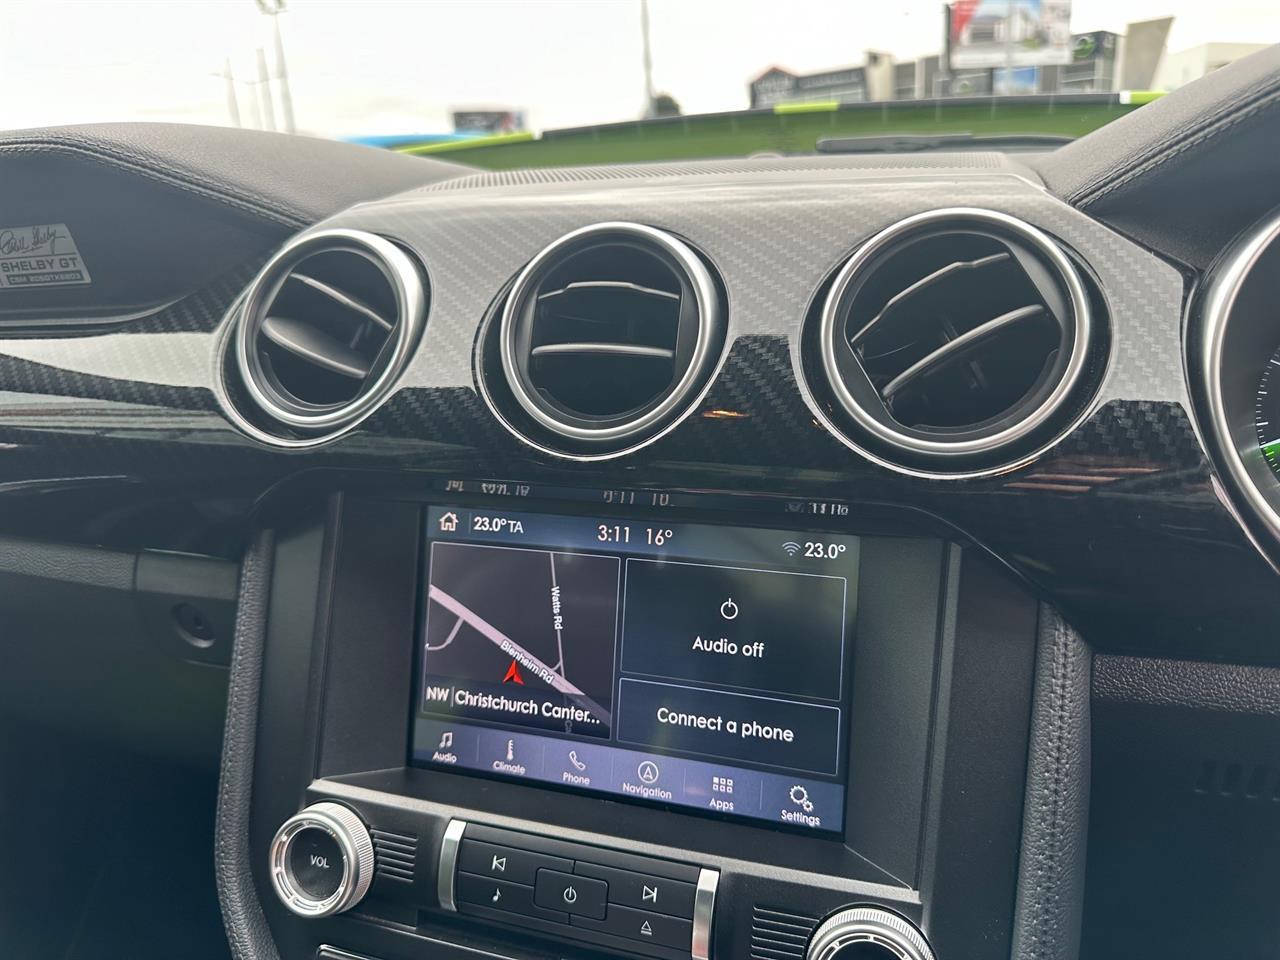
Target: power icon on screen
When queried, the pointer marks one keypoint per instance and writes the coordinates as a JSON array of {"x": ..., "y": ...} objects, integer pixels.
[{"x": 729, "y": 609}]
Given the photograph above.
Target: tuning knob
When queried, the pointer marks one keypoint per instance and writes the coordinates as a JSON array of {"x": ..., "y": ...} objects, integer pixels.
[
  {"x": 321, "y": 860},
  {"x": 865, "y": 933}
]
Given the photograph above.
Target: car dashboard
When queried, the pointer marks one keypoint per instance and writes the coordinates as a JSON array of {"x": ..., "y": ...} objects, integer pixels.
[{"x": 773, "y": 558}]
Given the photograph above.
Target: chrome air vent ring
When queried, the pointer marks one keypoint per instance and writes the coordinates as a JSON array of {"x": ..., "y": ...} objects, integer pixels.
[
  {"x": 279, "y": 410},
  {"x": 1047, "y": 399},
  {"x": 646, "y": 306}
]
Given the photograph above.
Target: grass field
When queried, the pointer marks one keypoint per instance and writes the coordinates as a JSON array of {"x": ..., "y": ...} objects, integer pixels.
[{"x": 739, "y": 135}]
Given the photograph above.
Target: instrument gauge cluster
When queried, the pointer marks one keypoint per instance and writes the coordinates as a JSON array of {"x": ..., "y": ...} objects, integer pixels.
[{"x": 1233, "y": 362}]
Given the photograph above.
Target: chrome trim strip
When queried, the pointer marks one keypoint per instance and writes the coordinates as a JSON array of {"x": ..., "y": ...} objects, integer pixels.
[
  {"x": 953, "y": 348},
  {"x": 704, "y": 905},
  {"x": 329, "y": 952},
  {"x": 1220, "y": 296},
  {"x": 709, "y": 318},
  {"x": 1071, "y": 375},
  {"x": 449, "y": 847},
  {"x": 612, "y": 349},
  {"x": 348, "y": 301},
  {"x": 923, "y": 283},
  {"x": 609, "y": 285}
]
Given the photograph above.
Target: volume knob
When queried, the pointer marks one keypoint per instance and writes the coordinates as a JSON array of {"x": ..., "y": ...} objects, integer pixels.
[
  {"x": 322, "y": 860},
  {"x": 868, "y": 933}
]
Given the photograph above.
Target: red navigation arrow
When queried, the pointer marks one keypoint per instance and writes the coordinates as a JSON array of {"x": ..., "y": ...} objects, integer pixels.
[{"x": 513, "y": 675}]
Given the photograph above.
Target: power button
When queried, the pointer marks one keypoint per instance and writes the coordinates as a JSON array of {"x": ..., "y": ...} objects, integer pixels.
[{"x": 570, "y": 893}]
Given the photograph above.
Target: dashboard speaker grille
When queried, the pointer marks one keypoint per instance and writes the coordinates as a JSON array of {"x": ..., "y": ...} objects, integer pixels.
[
  {"x": 325, "y": 329},
  {"x": 607, "y": 335},
  {"x": 778, "y": 935},
  {"x": 395, "y": 855},
  {"x": 956, "y": 341}
]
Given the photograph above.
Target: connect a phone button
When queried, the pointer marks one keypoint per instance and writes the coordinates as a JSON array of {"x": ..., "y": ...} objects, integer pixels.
[
  {"x": 642, "y": 925},
  {"x": 581, "y": 896}
]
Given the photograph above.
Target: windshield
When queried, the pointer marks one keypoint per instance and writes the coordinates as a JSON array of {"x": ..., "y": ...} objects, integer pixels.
[{"x": 502, "y": 85}]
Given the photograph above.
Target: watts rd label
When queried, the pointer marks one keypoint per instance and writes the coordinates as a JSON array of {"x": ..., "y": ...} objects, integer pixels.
[{"x": 43, "y": 255}]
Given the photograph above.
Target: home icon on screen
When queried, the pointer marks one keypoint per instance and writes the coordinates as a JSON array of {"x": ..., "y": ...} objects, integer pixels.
[{"x": 449, "y": 522}]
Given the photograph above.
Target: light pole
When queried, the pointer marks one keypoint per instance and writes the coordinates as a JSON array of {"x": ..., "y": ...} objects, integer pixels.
[
  {"x": 648, "y": 59},
  {"x": 233, "y": 103},
  {"x": 273, "y": 9},
  {"x": 264, "y": 91}
]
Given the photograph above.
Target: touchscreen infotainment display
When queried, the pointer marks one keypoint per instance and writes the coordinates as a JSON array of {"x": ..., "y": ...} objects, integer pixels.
[{"x": 691, "y": 665}]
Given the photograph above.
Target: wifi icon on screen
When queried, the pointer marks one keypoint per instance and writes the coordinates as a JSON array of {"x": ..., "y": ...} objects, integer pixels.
[{"x": 791, "y": 547}]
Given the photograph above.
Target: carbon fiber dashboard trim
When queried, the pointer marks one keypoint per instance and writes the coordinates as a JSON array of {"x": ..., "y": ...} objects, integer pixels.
[{"x": 1118, "y": 523}]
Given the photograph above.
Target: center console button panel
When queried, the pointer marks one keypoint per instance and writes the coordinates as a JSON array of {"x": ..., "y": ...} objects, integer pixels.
[
  {"x": 644, "y": 892},
  {"x": 642, "y": 905},
  {"x": 642, "y": 925},
  {"x": 502, "y": 895},
  {"x": 506, "y": 863},
  {"x": 578, "y": 895}
]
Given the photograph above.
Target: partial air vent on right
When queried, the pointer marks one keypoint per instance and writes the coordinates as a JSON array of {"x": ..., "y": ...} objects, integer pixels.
[{"x": 957, "y": 343}]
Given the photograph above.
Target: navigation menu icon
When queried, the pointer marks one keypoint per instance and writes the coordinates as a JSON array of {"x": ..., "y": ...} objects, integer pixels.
[{"x": 648, "y": 772}]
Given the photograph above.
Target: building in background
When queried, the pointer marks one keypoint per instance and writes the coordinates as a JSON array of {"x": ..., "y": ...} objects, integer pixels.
[
  {"x": 1092, "y": 68},
  {"x": 1142, "y": 49},
  {"x": 1178, "y": 69},
  {"x": 1095, "y": 62},
  {"x": 778, "y": 85}
]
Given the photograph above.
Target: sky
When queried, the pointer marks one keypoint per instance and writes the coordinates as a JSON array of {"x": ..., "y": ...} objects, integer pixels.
[{"x": 360, "y": 67}]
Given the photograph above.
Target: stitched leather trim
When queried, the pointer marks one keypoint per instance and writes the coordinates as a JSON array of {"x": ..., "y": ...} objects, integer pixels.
[
  {"x": 147, "y": 167},
  {"x": 1050, "y": 895},
  {"x": 1233, "y": 113},
  {"x": 242, "y": 916}
]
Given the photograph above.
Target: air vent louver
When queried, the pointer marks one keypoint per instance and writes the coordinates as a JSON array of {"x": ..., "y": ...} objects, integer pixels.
[
  {"x": 327, "y": 326},
  {"x": 955, "y": 342},
  {"x": 606, "y": 337}
]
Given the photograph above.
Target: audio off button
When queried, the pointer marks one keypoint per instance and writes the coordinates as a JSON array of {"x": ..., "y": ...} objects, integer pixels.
[{"x": 582, "y": 896}]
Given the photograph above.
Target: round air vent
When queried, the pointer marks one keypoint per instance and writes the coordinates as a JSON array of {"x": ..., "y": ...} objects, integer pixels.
[
  {"x": 325, "y": 329},
  {"x": 607, "y": 337},
  {"x": 955, "y": 343}
]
